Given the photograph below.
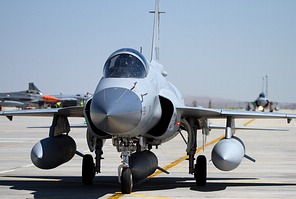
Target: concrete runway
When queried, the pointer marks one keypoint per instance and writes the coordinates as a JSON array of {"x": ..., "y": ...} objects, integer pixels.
[{"x": 272, "y": 176}]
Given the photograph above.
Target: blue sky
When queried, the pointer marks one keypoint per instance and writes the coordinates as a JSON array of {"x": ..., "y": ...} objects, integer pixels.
[{"x": 209, "y": 48}]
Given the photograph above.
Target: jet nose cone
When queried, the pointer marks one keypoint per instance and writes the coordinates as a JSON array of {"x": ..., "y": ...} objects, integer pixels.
[{"x": 116, "y": 110}]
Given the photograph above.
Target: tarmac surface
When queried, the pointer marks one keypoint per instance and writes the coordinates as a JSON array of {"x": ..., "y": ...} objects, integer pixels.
[{"x": 273, "y": 175}]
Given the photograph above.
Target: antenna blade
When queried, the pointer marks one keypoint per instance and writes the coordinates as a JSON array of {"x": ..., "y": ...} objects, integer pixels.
[{"x": 155, "y": 38}]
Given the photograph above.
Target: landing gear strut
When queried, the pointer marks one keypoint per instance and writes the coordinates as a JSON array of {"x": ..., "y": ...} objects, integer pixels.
[
  {"x": 89, "y": 168},
  {"x": 126, "y": 147},
  {"x": 199, "y": 169}
]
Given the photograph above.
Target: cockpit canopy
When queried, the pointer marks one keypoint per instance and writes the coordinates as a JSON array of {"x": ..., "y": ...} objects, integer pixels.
[
  {"x": 126, "y": 63},
  {"x": 33, "y": 92},
  {"x": 262, "y": 95}
]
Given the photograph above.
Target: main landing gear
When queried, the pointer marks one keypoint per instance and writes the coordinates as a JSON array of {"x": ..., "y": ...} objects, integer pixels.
[
  {"x": 199, "y": 169},
  {"x": 89, "y": 168}
]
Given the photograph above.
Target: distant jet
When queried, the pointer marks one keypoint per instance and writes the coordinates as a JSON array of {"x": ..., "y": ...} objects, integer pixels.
[
  {"x": 262, "y": 103},
  {"x": 25, "y": 99}
]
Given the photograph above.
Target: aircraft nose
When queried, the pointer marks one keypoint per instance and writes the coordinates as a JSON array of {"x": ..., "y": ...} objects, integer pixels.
[{"x": 116, "y": 110}]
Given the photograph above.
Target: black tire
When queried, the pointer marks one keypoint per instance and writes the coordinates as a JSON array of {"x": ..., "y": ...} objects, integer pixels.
[
  {"x": 126, "y": 181},
  {"x": 88, "y": 170},
  {"x": 200, "y": 173}
]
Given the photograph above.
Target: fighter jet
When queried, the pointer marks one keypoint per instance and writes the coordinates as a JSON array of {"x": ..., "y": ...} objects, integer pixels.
[
  {"x": 26, "y": 99},
  {"x": 262, "y": 103},
  {"x": 135, "y": 106}
]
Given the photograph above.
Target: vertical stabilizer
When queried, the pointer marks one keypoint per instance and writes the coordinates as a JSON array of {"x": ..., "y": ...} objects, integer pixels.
[
  {"x": 155, "y": 38},
  {"x": 33, "y": 87}
]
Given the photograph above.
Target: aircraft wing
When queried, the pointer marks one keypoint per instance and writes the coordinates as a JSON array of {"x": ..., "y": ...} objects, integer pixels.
[
  {"x": 221, "y": 126},
  {"x": 200, "y": 112},
  {"x": 185, "y": 111},
  {"x": 75, "y": 111}
]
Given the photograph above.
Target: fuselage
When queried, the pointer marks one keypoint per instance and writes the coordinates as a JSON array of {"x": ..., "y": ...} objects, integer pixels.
[
  {"x": 25, "y": 96},
  {"x": 22, "y": 99},
  {"x": 135, "y": 99}
]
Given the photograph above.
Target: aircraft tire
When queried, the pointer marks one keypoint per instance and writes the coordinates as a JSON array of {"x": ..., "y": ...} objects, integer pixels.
[
  {"x": 200, "y": 173},
  {"x": 88, "y": 170},
  {"x": 126, "y": 181}
]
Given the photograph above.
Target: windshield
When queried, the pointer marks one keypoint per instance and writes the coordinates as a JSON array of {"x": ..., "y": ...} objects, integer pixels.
[{"x": 125, "y": 65}]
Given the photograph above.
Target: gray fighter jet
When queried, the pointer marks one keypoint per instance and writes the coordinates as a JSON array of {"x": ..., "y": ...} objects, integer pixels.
[
  {"x": 262, "y": 103},
  {"x": 25, "y": 99},
  {"x": 136, "y": 107}
]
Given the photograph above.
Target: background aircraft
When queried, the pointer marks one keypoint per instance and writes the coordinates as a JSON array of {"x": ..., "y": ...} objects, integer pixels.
[
  {"x": 72, "y": 99},
  {"x": 136, "y": 107},
  {"x": 32, "y": 97},
  {"x": 262, "y": 102}
]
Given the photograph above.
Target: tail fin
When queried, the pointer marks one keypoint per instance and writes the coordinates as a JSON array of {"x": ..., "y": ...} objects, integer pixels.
[
  {"x": 155, "y": 38},
  {"x": 33, "y": 87}
]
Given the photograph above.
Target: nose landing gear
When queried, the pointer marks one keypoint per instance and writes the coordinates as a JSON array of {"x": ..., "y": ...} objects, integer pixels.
[
  {"x": 125, "y": 177},
  {"x": 126, "y": 180}
]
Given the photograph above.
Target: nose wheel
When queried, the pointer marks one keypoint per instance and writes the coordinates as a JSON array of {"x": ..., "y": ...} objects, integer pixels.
[{"x": 126, "y": 181}]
